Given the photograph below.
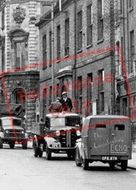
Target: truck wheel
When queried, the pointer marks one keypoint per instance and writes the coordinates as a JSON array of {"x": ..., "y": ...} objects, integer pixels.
[
  {"x": 12, "y": 145},
  {"x": 1, "y": 143},
  {"x": 78, "y": 158},
  {"x": 24, "y": 145},
  {"x": 124, "y": 165},
  {"x": 71, "y": 155},
  {"x": 112, "y": 165},
  {"x": 85, "y": 164},
  {"x": 48, "y": 153}
]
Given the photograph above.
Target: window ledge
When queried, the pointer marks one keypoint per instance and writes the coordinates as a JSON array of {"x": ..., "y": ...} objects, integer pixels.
[
  {"x": 44, "y": 68},
  {"x": 66, "y": 56},
  {"x": 79, "y": 51},
  {"x": 130, "y": 9},
  {"x": 100, "y": 41},
  {"x": 89, "y": 46},
  {"x": 58, "y": 60}
]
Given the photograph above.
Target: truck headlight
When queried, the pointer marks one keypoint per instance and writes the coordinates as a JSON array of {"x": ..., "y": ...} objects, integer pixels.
[
  {"x": 26, "y": 135},
  {"x": 7, "y": 131},
  {"x": 57, "y": 133},
  {"x": 78, "y": 133},
  {"x": 22, "y": 132}
]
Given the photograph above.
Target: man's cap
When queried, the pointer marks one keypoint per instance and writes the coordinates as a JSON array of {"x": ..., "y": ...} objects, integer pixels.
[{"x": 64, "y": 92}]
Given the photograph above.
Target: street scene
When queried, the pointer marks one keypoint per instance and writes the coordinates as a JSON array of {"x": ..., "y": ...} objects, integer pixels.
[{"x": 67, "y": 94}]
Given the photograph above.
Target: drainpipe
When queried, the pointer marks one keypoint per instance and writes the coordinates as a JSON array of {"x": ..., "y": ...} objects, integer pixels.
[
  {"x": 75, "y": 54},
  {"x": 112, "y": 37}
]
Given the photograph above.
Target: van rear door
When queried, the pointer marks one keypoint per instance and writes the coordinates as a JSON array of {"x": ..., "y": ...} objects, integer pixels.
[
  {"x": 99, "y": 136},
  {"x": 120, "y": 137}
]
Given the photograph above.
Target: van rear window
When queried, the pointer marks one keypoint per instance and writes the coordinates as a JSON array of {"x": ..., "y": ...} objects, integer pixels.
[
  {"x": 119, "y": 127},
  {"x": 100, "y": 126}
]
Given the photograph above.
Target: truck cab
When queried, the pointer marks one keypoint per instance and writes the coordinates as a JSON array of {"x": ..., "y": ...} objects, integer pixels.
[
  {"x": 12, "y": 131},
  {"x": 60, "y": 133}
]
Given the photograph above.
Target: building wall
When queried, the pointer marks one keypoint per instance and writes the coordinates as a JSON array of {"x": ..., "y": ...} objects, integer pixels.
[
  {"x": 125, "y": 70},
  {"x": 89, "y": 60}
]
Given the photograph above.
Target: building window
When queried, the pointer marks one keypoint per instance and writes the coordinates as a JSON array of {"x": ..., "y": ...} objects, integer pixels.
[
  {"x": 132, "y": 50},
  {"x": 134, "y": 100},
  {"x": 118, "y": 62},
  {"x": 50, "y": 48},
  {"x": 89, "y": 24},
  {"x": 58, "y": 90},
  {"x": 79, "y": 31},
  {"x": 89, "y": 93},
  {"x": 21, "y": 54},
  {"x": 100, "y": 19},
  {"x": 101, "y": 91},
  {"x": 121, "y": 6},
  {"x": 125, "y": 106},
  {"x": 79, "y": 86},
  {"x": 44, "y": 102},
  {"x": 101, "y": 79},
  {"x": 67, "y": 37},
  {"x": 58, "y": 42},
  {"x": 3, "y": 54},
  {"x": 44, "y": 52},
  {"x": 50, "y": 95},
  {"x": 130, "y": 3},
  {"x": 3, "y": 19},
  {"x": 101, "y": 101}
]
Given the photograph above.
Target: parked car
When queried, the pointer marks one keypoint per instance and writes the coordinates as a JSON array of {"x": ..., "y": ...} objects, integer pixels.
[
  {"x": 12, "y": 131},
  {"x": 105, "y": 138},
  {"x": 59, "y": 134}
]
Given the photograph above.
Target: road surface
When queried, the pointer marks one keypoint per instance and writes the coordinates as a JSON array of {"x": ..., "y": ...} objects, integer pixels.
[{"x": 20, "y": 170}]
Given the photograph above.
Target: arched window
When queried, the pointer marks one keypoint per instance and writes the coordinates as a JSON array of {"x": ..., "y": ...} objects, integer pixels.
[{"x": 19, "y": 96}]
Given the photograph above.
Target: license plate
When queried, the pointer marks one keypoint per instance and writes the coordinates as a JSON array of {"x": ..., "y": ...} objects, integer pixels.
[{"x": 109, "y": 158}]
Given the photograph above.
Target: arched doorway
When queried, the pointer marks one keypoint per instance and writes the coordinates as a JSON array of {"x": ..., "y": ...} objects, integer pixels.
[{"x": 19, "y": 96}]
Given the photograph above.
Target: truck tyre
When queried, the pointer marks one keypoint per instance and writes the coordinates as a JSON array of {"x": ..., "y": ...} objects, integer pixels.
[
  {"x": 78, "y": 160},
  {"x": 1, "y": 143},
  {"x": 24, "y": 145},
  {"x": 124, "y": 165},
  {"x": 112, "y": 165},
  {"x": 48, "y": 153},
  {"x": 12, "y": 145},
  {"x": 71, "y": 155},
  {"x": 85, "y": 164}
]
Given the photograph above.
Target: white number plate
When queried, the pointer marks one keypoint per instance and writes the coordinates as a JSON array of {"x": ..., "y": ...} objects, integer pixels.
[{"x": 109, "y": 158}]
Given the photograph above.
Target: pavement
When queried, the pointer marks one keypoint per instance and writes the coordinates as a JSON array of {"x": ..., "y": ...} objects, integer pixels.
[{"x": 132, "y": 162}]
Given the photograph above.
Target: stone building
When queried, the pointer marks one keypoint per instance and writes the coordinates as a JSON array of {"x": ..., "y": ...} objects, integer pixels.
[
  {"x": 77, "y": 51},
  {"x": 125, "y": 59},
  {"x": 19, "y": 54}
]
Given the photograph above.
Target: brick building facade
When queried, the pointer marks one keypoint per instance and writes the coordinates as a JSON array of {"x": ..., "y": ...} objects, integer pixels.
[
  {"x": 82, "y": 57},
  {"x": 125, "y": 59}
]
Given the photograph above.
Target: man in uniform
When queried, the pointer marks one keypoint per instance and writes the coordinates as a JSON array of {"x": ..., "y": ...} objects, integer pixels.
[{"x": 66, "y": 102}]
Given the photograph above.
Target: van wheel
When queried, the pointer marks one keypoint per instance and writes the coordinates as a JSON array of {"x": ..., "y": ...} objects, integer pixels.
[
  {"x": 112, "y": 165},
  {"x": 124, "y": 165},
  {"x": 1, "y": 143},
  {"x": 85, "y": 164},
  {"x": 71, "y": 155},
  {"x": 48, "y": 153},
  {"x": 78, "y": 158},
  {"x": 12, "y": 145}
]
